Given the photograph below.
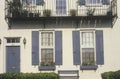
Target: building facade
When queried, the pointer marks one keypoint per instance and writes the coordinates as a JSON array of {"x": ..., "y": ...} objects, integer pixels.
[{"x": 78, "y": 39}]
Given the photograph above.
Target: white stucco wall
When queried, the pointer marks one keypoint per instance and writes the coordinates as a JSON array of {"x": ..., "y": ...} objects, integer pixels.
[{"x": 111, "y": 48}]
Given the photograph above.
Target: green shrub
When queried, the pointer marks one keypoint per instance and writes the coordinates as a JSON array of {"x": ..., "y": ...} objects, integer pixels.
[
  {"x": 29, "y": 76},
  {"x": 111, "y": 75},
  {"x": 117, "y": 75}
]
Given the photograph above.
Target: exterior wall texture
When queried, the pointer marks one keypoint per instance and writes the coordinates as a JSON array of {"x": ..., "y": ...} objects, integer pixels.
[{"x": 110, "y": 36}]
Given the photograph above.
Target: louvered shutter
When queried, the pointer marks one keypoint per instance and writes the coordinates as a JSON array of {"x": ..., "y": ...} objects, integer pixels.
[
  {"x": 35, "y": 48},
  {"x": 58, "y": 47},
  {"x": 99, "y": 47},
  {"x": 76, "y": 47}
]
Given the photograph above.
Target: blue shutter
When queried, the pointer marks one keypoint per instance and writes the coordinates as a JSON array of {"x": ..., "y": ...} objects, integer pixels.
[
  {"x": 58, "y": 47},
  {"x": 99, "y": 47},
  {"x": 76, "y": 47},
  {"x": 35, "y": 48},
  {"x": 106, "y": 2},
  {"x": 39, "y": 2},
  {"x": 81, "y": 2}
]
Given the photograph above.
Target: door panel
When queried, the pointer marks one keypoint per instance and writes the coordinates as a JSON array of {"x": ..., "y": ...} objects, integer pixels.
[{"x": 13, "y": 59}]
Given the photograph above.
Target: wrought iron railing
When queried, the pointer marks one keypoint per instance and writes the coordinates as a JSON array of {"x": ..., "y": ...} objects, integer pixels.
[{"x": 17, "y": 9}]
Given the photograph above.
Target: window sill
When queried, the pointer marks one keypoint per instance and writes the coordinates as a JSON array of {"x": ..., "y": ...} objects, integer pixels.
[
  {"x": 46, "y": 67},
  {"x": 88, "y": 67}
]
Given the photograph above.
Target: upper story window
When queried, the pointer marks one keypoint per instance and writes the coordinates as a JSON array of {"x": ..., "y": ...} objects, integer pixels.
[
  {"x": 32, "y": 2},
  {"x": 61, "y": 6},
  {"x": 93, "y": 1},
  {"x": 89, "y": 2}
]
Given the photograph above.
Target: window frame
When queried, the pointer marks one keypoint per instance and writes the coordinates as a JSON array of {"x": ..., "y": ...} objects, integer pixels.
[
  {"x": 87, "y": 31},
  {"x": 45, "y": 47}
]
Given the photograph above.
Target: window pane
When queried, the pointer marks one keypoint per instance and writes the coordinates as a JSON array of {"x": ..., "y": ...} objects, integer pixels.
[
  {"x": 24, "y": 2},
  {"x": 47, "y": 39},
  {"x": 47, "y": 57},
  {"x": 39, "y": 2},
  {"x": 61, "y": 6},
  {"x": 88, "y": 39},
  {"x": 88, "y": 56}
]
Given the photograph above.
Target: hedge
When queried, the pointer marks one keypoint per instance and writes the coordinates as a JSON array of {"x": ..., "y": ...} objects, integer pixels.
[
  {"x": 111, "y": 75},
  {"x": 29, "y": 76}
]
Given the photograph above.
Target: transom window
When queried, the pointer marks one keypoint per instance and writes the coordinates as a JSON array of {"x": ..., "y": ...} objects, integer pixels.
[
  {"x": 13, "y": 40},
  {"x": 47, "y": 48},
  {"x": 88, "y": 47}
]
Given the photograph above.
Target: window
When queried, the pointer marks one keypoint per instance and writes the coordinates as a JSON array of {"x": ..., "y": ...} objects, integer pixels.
[
  {"x": 32, "y": 2},
  {"x": 61, "y": 6},
  {"x": 13, "y": 40},
  {"x": 28, "y": 2},
  {"x": 88, "y": 48},
  {"x": 93, "y": 1},
  {"x": 47, "y": 49}
]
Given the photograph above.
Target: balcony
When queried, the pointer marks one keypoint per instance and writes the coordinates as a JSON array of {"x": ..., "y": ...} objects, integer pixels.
[
  {"x": 71, "y": 11},
  {"x": 47, "y": 9}
]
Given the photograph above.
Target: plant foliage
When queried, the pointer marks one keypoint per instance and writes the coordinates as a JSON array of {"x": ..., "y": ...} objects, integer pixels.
[
  {"x": 29, "y": 76},
  {"x": 111, "y": 75}
]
